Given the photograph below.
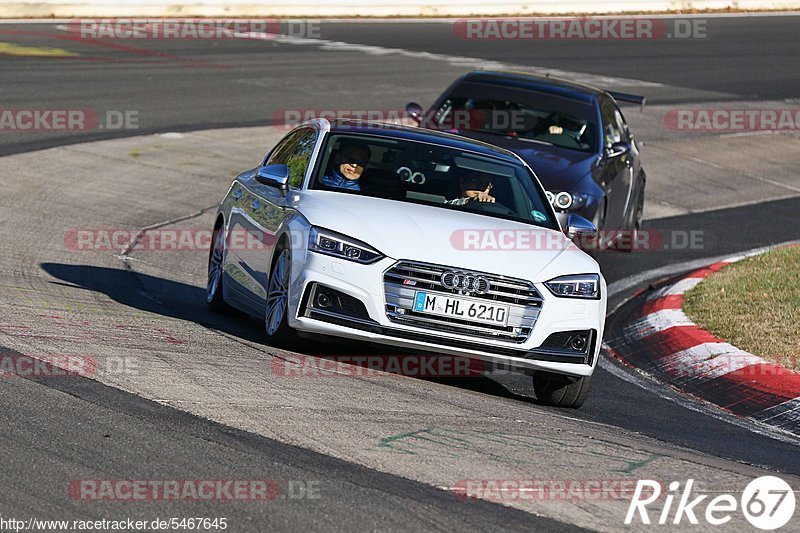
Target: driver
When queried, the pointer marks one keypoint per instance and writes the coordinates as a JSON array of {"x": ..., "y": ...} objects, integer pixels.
[
  {"x": 349, "y": 163},
  {"x": 475, "y": 187},
  {"x": 549, "y": 125}
]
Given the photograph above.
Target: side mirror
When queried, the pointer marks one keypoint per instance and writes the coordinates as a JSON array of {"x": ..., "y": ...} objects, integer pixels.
[
  {"x": 414, "y": 111},
  {"x": 579, "y": 227},
  {"x": 274, "y": 175},
  {"x": 617, "y": 149}
]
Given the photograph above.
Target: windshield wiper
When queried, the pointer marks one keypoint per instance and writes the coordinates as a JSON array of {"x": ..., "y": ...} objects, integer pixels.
[
  {"x": 548, "y": 143},
  {"x": 505, "y": 133}
]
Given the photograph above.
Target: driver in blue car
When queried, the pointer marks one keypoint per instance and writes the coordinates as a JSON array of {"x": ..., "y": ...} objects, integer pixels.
[
  {"x": 475, "y": 187},
  {"x": 349, "y": 163}
]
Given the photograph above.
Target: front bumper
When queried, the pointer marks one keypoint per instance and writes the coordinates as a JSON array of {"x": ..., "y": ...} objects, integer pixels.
[{"x": 366, "y": 284}]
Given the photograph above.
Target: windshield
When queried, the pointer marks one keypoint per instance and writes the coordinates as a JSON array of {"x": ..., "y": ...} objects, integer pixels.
[
  {"x": 523, "y": 115},
  {"x": 421, "y": 173}
]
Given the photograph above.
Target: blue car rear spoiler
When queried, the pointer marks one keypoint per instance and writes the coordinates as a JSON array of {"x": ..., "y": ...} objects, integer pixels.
[{"x": 624, "y": 97}]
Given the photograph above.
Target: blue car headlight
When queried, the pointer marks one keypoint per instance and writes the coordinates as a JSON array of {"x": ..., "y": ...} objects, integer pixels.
[
  {"x": 328, "y": 242},
  {"x": 566, "y": 201},
  {"x": 586, "y": 286}
]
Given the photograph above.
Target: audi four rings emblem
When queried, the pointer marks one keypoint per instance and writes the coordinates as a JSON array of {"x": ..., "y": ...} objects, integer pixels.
[{"x": 465, "y": 283}]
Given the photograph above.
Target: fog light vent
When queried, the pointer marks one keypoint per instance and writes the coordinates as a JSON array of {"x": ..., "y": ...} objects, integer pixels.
[
  {"x": 571, "y": 341},
  {"x": 333, "y": 301}
]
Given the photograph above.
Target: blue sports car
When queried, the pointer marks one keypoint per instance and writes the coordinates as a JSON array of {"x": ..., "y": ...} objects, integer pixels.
[{"x": 572, "y": 135}]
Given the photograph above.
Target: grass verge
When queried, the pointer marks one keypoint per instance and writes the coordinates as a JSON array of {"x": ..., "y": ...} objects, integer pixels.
[{"x": 754, "y": 304}]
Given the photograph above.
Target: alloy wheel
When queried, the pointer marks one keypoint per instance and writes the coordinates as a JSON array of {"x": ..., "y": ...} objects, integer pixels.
[{"x": 278, "y": 294}]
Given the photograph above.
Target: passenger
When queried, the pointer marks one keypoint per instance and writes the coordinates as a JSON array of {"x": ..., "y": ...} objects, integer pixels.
[
  {"x": 474, "y": 187},
  {"x": 349, "y": 163}
]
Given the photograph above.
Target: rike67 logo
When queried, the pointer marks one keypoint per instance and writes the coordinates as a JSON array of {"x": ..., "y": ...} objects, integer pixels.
[{"x": 767, "y": 502}]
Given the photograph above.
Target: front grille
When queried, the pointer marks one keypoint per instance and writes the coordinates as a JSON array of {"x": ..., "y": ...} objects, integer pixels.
[{"x": 405, "y": 278}]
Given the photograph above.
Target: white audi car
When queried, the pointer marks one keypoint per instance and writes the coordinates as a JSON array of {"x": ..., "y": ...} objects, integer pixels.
[{"x": 415, "y": 239}]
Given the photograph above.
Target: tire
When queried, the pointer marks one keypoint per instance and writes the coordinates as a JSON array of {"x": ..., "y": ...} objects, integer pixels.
[
  {"x": 560, "y": 391},
  {"x": 598, "y": 220},
  {"x": 276, "y": 325},
  {"x": 214, "y": 299},
  {"x": 635, "y": 224}
]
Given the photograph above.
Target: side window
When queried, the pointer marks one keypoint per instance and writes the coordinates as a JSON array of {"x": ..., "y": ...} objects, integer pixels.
[
  {"x": 295, "y": 152},
  {"x": 622, "y": 125},
  {"x": 611, "y": 130}
]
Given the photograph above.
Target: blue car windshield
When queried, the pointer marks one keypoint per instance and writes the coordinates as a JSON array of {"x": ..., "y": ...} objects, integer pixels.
[
  {"x": 418, "y": 172},
  {"x": 520, "y": 115}
]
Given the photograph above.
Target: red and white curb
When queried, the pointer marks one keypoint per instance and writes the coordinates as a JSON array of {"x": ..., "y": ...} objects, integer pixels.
[{"x": 661, "y": 340}]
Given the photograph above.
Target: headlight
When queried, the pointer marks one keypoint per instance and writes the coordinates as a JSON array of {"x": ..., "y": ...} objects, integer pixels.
[
  {"x": 330, "y": 243},
  {"x": 577, "y": 286},
  {"x": 565, "y": 201}
]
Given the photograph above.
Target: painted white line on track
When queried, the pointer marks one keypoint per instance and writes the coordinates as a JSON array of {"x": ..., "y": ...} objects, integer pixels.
[
  {"x": 456, "y": 61},
  {"x": 453, "y": 60},
  {"x": 719, "y": 166},
  {"x": 747, "y": 134}
]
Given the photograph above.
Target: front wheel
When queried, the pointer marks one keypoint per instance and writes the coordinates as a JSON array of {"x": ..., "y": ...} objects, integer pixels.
[
  {"x": 637, "y": 216},
  {"x": 277, "y": 307},
  {"x": 216, "y": 303},
  {"x": 561, "y": 391}
]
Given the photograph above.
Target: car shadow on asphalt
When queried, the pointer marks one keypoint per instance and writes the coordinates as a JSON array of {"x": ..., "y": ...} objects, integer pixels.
[{"x": 182, "y": 301}]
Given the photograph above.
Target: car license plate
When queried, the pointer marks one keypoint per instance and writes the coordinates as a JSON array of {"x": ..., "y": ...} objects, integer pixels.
[{"x": 461, "y": 308}]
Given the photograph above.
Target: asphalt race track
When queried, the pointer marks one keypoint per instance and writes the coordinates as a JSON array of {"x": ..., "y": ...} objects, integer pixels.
[{"x": 201, "y": 398}]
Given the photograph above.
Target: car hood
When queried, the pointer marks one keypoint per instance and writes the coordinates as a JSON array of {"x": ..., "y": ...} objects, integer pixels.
[
  {"x": 557, "y": 168},
  {"x": 403, "y": 230}
]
